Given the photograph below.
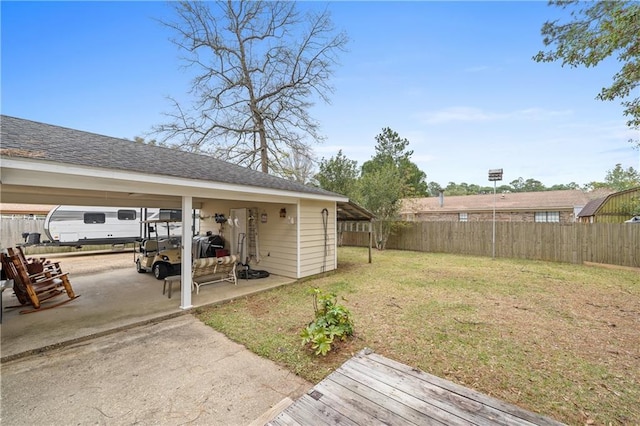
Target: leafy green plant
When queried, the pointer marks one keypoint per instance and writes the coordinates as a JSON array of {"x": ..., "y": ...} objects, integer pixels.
[{"x": 331, "y": 321}]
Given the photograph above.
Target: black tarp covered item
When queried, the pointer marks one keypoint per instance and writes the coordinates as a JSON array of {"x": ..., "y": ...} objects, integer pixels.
[
  {"x": 251, "y": 274},
  {"x": 206, "y": 246}
]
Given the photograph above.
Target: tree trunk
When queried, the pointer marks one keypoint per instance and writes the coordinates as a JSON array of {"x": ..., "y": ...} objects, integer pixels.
[{"x": 264, "y": 157}]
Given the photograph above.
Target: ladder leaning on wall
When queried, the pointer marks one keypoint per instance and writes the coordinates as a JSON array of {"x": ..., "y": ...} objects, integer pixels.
[{"x": 253, "y": 250}]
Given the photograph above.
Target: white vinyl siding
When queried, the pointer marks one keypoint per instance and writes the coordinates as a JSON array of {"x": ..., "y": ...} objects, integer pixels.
[
  {"x": 317, "y": 247},
  {"x": 277, "y": 238},
  {"x": 277, "y": 244}
]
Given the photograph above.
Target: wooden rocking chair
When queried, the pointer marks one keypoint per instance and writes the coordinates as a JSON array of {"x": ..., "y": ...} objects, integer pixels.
[
  {"x": 35, "y": 265},
  {"x": 36, "y": 288}
]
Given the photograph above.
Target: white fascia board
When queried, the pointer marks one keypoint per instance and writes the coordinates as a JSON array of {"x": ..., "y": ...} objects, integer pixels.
[{"x": 31, "y": 172}]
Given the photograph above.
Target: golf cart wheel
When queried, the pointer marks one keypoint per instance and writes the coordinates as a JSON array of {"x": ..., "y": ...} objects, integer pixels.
[
  {"x": 160, "y": 271},
  {"x": 139, "y": 267}
]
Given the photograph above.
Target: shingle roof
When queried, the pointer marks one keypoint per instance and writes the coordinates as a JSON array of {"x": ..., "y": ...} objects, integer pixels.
[
  {"x": 590, "y": 208},
  {"x": 567, "y": 199},
  {"x": 593, "y": 206},
  {"x": 30, "y": 139}
]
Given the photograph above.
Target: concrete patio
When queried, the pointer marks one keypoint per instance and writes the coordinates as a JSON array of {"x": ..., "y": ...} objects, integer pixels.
[{"x": 109, "y": 301}]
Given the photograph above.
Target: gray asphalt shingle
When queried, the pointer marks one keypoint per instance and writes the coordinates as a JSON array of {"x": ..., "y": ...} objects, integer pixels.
[{"x": 26, "y": 138}]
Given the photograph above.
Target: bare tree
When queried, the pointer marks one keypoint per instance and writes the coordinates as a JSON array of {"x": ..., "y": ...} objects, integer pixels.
[
  {"x": 259, "y": 66},
  {"x": 299, "y": 166}
]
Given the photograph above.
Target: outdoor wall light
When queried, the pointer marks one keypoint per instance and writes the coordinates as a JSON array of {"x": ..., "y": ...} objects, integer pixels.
[{"x": 283, "y": 212}]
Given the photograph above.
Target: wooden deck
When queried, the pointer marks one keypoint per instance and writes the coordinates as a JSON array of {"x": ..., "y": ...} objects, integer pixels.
[{"x": 370, "y": 389}]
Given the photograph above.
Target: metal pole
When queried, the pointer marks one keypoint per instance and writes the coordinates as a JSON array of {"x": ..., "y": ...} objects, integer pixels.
[
  {"x": 494, "y": 175},
  {"x": 494, "y": 221}
]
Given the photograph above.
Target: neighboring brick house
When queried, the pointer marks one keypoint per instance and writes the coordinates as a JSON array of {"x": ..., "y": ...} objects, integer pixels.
[
  {"x": 612, "y": 208},
  {"x": 543, "y": 206}
]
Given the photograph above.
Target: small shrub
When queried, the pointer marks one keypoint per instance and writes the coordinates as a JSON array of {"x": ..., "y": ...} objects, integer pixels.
[{"x": 331, "y": 321}]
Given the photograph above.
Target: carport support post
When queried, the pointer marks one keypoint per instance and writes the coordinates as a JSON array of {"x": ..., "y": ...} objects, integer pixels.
[{"x": 185, "y": 280}]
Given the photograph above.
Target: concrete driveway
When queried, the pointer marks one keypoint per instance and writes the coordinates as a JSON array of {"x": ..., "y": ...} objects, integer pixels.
[{"x": 173, "y": 372}]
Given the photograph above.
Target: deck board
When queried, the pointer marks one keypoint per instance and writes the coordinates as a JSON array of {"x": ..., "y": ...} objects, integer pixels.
[
  {"x": 513, "y": 412},
  {"x": 465, "y": 407},
  {"x": 369, "y": 403},
  {"x": 371, "y": 389},
  {"x": 409, "y": 400}
]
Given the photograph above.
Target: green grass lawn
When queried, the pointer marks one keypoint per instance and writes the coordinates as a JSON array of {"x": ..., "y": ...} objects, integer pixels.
[{"x": 558, "y": 339}]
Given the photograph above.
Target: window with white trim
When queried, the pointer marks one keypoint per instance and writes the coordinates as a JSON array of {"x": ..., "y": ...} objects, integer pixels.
[
  {"x": 463, "y": 217},
  {"x": 547, "y": 217}
]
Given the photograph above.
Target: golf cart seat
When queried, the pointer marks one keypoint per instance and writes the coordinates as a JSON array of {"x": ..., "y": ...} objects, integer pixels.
[
  {"x": 150, "y": 246},
  {"x": 168, "y": 243}
]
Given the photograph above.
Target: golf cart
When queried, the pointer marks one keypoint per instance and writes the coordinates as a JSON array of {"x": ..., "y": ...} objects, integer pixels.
[{"x": 160, "y": 254}]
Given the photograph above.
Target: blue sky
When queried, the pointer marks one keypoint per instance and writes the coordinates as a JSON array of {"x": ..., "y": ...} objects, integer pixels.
[{"x": 454, "y": 78}]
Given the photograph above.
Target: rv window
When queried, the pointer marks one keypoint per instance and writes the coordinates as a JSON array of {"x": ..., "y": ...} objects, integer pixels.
[
  {"x": 126, "y": 215},
  {"x": 94, "y": 218}
]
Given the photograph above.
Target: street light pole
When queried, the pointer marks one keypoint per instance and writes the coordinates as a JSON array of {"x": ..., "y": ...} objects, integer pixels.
[
  {"x": 493, "y": 240},
  {"x": 494, "y": 176}
]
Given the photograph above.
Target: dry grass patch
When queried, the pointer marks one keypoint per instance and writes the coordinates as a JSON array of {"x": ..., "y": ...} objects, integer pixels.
[{"x": 558, "y": 339}]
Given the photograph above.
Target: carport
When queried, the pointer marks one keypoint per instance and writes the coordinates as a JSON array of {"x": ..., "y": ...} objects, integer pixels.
[{"x": 47, "y": 164}]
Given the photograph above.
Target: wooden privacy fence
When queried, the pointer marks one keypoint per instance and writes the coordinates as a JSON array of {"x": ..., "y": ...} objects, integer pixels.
[
  {"x": 611, "y": 243},
  {"x": 12, "y": 229}
]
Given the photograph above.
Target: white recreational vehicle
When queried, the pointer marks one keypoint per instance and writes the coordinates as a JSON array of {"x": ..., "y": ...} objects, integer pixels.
[{"x": 84, "y": 225}]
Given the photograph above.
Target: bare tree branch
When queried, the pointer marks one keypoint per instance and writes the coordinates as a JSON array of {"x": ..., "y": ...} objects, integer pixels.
[{"x": 259, "y": 66}]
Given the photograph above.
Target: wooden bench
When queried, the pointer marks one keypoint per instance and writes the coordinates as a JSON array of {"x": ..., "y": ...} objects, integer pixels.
[{"x": 207, "y": 270}]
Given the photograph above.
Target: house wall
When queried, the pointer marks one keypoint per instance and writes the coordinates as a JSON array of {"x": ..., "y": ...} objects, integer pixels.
[
  {"x": 276, "y": 237},
  {"x": 587, "y": 219},
  {"x": 314, "y": 239},
  {"x": 566, "y": 216}
]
